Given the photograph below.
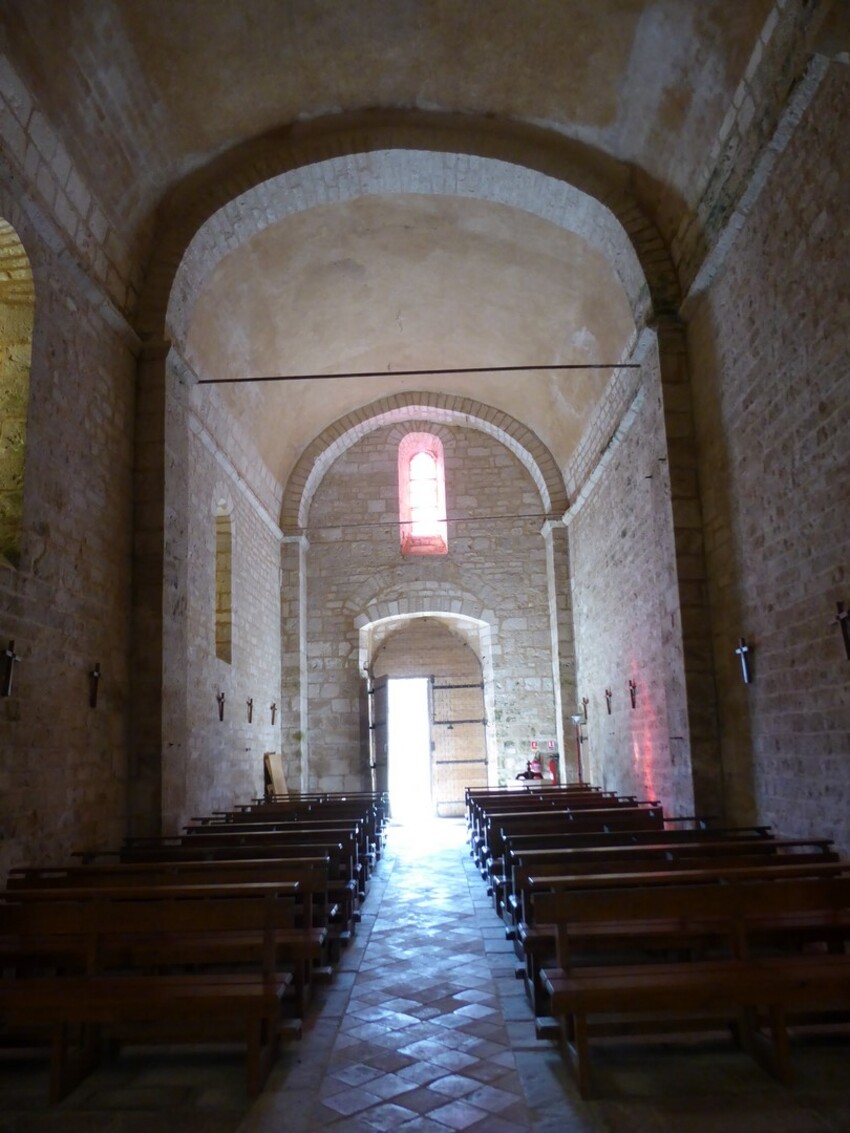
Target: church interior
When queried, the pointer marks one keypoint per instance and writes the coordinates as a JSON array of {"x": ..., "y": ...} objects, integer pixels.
[{"x": 504, "y": 348}]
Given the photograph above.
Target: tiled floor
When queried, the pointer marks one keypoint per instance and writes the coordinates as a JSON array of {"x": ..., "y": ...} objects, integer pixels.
[{"x": 425, "y": 1029}]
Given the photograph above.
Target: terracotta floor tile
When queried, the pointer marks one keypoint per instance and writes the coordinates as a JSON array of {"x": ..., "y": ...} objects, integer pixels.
[
  {"x": 350, "y": 1101},
  {"x": 421, "y": 1073},
  {"x": 455, "y": 1085},
  {"x": 458, "y": 1115}
]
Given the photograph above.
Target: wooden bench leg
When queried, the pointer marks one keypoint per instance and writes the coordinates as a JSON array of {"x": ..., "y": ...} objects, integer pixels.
[
  {"x": 781, "y": 1044},
  {"x": 772, "y": 1052},
  {"x": 70, "y": 1063},
  {"x": 262, "y": 1045},
  {"x": 578, "y": 1049}
]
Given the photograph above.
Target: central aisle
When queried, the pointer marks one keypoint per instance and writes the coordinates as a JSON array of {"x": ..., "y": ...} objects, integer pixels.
[{"x": 425, "y": 1022}]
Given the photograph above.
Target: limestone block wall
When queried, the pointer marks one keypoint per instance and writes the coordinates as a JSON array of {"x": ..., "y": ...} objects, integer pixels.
[
  {"x": 354, "y": 563},
  {"x": 770, "y": 355},
  {"x": 622, "y": 566},
  {"x": 211, "y": 763},
  {"x": 63, "y": 763}
]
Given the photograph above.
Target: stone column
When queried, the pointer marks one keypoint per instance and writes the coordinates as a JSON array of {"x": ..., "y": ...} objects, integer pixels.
[
  {"x": 145, "y": 768},
  {"x": 561, "y": 634},
  {"x": 685, "y": 609},
  {"x": 293, "y": 665}
]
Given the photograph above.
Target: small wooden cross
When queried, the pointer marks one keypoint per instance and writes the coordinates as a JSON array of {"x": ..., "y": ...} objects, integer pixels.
[
  {"x": 743, "y": 651},
  {"x": 843, "y": 619},
  {"x": 11, "y": 659},
  {"x": 250, "y": 703},
  {"x": 608, "y": 695},
  {"x": 94, "y": 681},
  {"x": 220, "y": 698},
  {"x": 273, "y": 708},
  {"x": 584, "y": 703}
]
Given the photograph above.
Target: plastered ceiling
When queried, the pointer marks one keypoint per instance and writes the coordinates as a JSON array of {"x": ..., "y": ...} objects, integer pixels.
[{"x": 149, "y": 93}]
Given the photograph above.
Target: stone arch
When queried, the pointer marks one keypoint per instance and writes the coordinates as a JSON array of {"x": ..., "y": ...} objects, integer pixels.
[
  {"x": 17, "y": 316},
  {"x": 436, "y": 408},
  {"x": 384, "y": 599},
  {"x": 544, "y": 159},
  {"x": 383, "y": 596}
]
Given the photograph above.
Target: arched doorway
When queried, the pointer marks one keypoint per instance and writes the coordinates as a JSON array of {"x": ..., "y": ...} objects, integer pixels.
[{"x": 428, "y": 673}]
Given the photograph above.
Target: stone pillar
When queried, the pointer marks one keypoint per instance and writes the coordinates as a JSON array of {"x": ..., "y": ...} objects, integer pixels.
[
  {"x": 684, "y": 609},
  {"x": 160, "y": 518},
  {"x": 561, "y": 634},
  {"x": 293, "y": 666},
  {"x": 145, "y": 767}
]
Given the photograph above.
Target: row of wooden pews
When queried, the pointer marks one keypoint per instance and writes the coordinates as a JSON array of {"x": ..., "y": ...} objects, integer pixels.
[
  {"x": 626, "y": 921},
  {"x": 219, "y": 933}
]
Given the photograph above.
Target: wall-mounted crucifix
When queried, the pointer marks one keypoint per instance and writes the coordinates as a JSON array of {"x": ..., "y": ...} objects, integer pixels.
[
  {"x": 273, "y": 708},
  {"x": 94, "y": 681},
  {"x": 220, "y": 698},
  {"x": 250, "y": 703},
  {"x": 743, "y": 652},
  {"x": 608, "y": 695},
  {"x": 584, "y": 703},
  {"x": 843, "y": 619},
  {"x": 633, "y": 693},
  {"x": 11, "y": 659}
]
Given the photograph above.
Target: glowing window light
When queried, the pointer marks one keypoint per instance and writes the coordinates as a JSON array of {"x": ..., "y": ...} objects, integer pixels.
[{"x": 422, "y": 495}]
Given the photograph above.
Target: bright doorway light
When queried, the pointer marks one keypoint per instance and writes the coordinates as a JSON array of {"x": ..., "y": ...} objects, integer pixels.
[{"x": 409, "y": 735}]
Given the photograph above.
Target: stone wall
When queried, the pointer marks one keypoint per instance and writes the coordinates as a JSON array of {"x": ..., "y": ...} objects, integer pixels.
[
  {"x": 63, "y": 763},
  {"x": 771, "y": 362},
  {"x": 354, "y": 563},
  {"x": 622, "y": 560},
  {"x": 211, "y": 763}
]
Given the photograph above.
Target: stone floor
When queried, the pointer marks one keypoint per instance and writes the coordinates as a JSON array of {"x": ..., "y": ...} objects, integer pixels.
[{"x": 425, "y": 1030}]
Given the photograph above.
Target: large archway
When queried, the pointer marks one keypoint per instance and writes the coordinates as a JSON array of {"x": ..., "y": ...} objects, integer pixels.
[{"x": 211, "y": 414}]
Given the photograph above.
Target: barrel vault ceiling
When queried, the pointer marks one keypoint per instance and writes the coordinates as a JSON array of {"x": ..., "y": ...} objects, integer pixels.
[{"x": 414, "y": 270}]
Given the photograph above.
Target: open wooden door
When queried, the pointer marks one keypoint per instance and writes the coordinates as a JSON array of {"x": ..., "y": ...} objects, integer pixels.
[
  {"x": 459, "y": 750},
  {"x": 380, "y": 734}
]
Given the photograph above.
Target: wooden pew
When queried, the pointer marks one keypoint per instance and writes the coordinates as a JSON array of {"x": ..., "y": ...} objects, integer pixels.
[
  {"x": 110, "y": 930},
  {"x": 306, "y": 949},
  {"x": 500, "y": 826},
  {"x": 362, "y": 852},
  {"x": 368, "y": 816},
  {"x": 513, "y": 841},
  {"x": 535, "y": 939},
  {"x": 479, "y": 813},
  {"x": 524, "y": 857},
  {"x": 263, "y": 841},
  {"x": 738, "y": 984},
  {"x": 343, "y": 888}
]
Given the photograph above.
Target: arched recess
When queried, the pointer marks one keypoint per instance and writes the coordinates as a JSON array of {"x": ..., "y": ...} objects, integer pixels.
[
  {"x": 17, "y": 312},
  {"x": 419, "y": 407},
  {"x": 223, "y": 595}
]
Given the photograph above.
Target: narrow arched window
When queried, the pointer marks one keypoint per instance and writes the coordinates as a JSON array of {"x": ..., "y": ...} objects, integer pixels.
[
  {"x": 17, "y": 307},
  {"x": 422, "y": 495},
  {"x": 223, "y": 587}
]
